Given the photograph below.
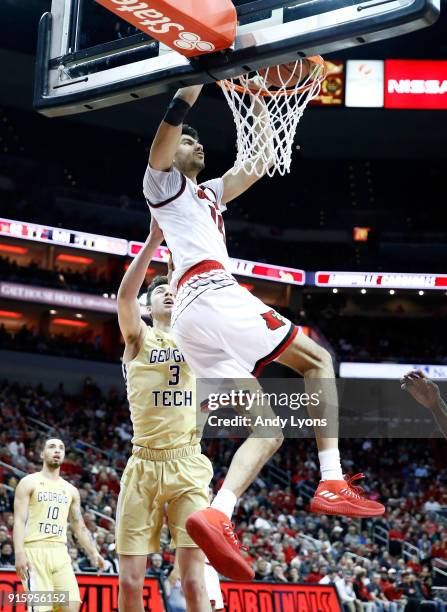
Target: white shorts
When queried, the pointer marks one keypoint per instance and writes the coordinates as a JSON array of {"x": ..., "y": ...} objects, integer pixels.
[
  {"x": 223, "y": 330},
  {"x": 213, "y": 587}
]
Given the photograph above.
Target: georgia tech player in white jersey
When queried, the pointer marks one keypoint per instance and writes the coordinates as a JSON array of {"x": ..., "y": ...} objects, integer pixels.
[
  {"x": 167, "y": 467},
  {"x": 43, "y": 504},
  {"x": 224, "y": 331}
]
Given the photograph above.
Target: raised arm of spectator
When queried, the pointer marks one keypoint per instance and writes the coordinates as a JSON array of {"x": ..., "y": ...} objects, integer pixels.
[
  {"x": 427, "y": 393},
  {"x": 167, "y": 138},
  {"x": 82, "y": 534},
  {"x": 129, "y": 315},
  {"x": 21, "y": 506}
]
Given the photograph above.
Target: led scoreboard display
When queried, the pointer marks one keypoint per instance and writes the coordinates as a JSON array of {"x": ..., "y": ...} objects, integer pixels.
[{"x": 63, "y": 237}]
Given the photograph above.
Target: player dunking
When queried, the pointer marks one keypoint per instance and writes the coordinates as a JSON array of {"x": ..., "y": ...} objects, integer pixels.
[
  {"x": 225, "y": 332},
  {"x": 166, "y": 466},
  {"x": 43, "y": 504}
]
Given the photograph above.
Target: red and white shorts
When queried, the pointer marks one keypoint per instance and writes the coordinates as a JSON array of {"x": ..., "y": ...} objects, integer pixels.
[{"x": 222, "y": 329}]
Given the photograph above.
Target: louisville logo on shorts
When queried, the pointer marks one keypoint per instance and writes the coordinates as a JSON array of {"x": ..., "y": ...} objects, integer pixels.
[{"x": 272, "y": 319}]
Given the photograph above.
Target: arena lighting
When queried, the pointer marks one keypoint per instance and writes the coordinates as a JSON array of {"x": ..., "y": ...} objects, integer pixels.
[
  {"x": 76, "y": 259},
  {"x": 421, "y": 292},
  {"x": 78, "y": 315},
  {"x": 335, "y": 290},
  {"x": 10, "y": 314},
  {"x": 392, "y": 292},
  {"x": 69, "y": 323},
  {"x": 360, "y": 234},
  {"x": 10, "y": 248},
  {"x": 363, "y": 291},
  {"x": 53, "y": 312}
]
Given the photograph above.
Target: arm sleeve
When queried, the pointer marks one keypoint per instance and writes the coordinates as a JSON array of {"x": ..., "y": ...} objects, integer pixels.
[
  {"x": 159, "y": 186},
  {"x": 217, "y": 185}
]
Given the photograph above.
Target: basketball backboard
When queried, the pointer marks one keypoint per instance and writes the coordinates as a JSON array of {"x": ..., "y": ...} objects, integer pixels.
[{"x": 87, "y": 58}]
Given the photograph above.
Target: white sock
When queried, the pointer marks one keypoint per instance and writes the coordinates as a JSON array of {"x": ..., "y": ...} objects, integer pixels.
[
  {"x": 330, "y": 465},
  {"x": 225, "y": 501}
]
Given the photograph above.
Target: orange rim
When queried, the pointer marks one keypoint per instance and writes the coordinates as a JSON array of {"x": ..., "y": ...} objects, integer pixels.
[{"x": 316, "y": 60}]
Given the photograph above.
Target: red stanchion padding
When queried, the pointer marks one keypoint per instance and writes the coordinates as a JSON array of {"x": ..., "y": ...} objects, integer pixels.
[{"x": 187, "y": 26}]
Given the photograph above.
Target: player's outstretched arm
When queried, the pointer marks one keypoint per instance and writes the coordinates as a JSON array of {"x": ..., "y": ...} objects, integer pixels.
[
  {"x": 427, "y": 393},
  {"x": 81, "y": 532},
  {"x": 21, "y": 506},
  {"x": 167, "y": 138},
  {"x": 129, "y": 316},
  {"x": 236, "y": 183}
]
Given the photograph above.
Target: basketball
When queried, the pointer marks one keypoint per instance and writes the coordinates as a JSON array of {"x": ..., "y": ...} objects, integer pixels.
[{"x": 289, "y": 74}]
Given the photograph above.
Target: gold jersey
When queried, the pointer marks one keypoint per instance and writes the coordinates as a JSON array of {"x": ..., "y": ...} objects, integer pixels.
[
  {"x": 48, "y": 510},
  {"x": 161, "y": 394}
]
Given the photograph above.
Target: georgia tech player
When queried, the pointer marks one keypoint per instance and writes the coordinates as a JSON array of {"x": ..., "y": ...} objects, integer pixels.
[
  {"x": 166, "y": 466},
  {"x": 43, "y": 504}
]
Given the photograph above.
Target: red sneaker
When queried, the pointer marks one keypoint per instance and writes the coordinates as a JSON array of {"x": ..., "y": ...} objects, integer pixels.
[
  {"x": 212, "y": 530},
  {"x": 343, "y": 498}
]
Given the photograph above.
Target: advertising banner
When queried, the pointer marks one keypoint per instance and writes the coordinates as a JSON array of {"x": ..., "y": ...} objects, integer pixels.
[
  {"x": 390, "y": 371},
  {"x": 416, "y": 84},
  {"x": 364, "y": 83},
  {"x": 381, "y": 280},
  {"x": 268, "y": 597},
  {"x": 331, "y": 92},
  {"x": 98, "y": 593}
]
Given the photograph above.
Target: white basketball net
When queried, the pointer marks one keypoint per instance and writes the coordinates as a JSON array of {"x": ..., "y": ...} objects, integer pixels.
[{"x": 266, "y": 119}]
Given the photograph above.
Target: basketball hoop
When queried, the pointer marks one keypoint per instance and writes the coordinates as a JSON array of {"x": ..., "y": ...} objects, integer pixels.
[{"x": 267, "y": 105}]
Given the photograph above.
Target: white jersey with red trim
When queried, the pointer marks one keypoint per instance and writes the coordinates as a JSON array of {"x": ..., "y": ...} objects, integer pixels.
[{"x": 190, "y": 217}]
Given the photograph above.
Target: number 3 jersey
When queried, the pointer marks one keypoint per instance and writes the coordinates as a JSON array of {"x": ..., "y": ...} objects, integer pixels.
[
  {"x": 190, "y": 217},
  {"x": 161, "y": 394},
  {"x": 48, "y": 510}
]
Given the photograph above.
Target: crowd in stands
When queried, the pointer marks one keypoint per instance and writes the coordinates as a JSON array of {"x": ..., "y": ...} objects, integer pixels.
[
  {"x": 76, "y": 345},
  {"x": 285, "y": 542},
  {"x": 393, "y": 339},
  {"x": 65, "y": 279}
]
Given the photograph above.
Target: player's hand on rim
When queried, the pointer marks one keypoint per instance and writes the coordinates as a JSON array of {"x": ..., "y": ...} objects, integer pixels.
[{"x": 423, "y": 389}]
